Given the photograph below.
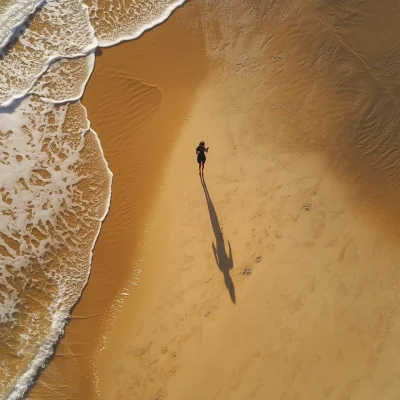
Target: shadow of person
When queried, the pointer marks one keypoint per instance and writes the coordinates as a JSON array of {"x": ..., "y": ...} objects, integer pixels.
[{"x": 223, "y": 260}]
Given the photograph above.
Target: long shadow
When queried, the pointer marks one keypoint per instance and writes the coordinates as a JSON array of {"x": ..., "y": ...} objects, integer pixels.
[{"x": 223, "y": 260}]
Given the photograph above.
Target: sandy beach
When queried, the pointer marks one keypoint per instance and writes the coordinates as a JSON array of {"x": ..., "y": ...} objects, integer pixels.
[
  {"x": 138, "y": 129},
  {"x": 277, "y": 275}
]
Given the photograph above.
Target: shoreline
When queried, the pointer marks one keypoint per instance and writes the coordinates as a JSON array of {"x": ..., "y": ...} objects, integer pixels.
[
  {"x": 157, "y": 108},
  {"x": 146, "y": 28}
]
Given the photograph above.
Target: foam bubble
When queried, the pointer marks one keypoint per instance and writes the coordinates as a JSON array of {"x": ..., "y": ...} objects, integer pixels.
[
  {"x": 12, "y": 15},
  {"x": 54, "y": 191},
  {"x": 70, "y": 75},
  {"x": 45, "y": 350},
  {"x": 127, "y": 20},
  {"x": 61, "y": 30},
  {"x": 56, "y": 185}
]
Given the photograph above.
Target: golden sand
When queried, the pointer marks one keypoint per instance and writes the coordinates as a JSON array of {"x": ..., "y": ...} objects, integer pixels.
[
  {"x": 282, "y": 227},
  {"x": 277, "y": 277},
  {"x": 137, "y": 99}
]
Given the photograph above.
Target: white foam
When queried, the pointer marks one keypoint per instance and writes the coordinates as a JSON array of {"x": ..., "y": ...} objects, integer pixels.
[
  {"x": 25, "y": 380},
  {"x": 31, "y": 121},
  {"x": 13, "y": 14},
  {"x": 128, "y": 23},
  {"x": 9, "y": 303},
  {"x": 30, "y": 195},
  {"x": 71, "y": 76},
  {"x": 59, "y": 320},
  {"x": 62, "y": 30},
  {"x": 37, "y": 202}
]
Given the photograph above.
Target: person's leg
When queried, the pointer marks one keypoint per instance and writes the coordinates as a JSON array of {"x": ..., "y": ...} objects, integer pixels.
[{"x": 202, "y": 168}]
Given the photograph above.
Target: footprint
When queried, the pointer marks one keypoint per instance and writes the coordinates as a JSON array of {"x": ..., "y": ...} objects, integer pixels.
[
  {"x": 246, "y": 271},
  {"x": 159, "y": 395},
  {"x": 141, "y": 352},
  {"x": 172, "y": 371}
]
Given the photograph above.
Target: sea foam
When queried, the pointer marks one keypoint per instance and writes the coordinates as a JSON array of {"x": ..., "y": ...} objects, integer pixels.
[
  {"x": 61, "y": 30},
  {"x": 13, "y": 14},
  {"x": 51, "y": 215},
  {"x": 56, "y": 185},
  {"x": 127, "y": 20}
]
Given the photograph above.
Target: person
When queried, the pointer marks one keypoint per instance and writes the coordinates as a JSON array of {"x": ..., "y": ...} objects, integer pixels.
[{"x": 201, "y": 151}]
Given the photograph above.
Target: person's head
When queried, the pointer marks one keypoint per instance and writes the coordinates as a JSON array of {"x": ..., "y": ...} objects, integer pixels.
[{"x": 202, "y": 144}]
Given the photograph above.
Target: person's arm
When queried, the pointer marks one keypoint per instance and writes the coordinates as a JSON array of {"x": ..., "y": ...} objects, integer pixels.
[{"x": 207, "y": 149}]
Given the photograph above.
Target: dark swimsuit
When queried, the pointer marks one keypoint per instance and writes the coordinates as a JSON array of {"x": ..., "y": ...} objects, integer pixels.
[{"x": 201, "y": 157}]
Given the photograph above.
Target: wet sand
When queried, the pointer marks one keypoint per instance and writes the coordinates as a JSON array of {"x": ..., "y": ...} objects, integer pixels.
[
  {"x": 137, "y": 99},
  {"x": 277, "y": 277}
]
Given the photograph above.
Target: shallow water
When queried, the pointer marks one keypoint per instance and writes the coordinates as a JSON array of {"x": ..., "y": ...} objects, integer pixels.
[
  {"x": 56, "y": 184},
  {"x": 322, "y": 77}
]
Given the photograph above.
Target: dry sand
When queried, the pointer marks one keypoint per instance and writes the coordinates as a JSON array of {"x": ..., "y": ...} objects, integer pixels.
[
  {"x": 311, "y": 313},
  {"x": 279, "y": 277}
]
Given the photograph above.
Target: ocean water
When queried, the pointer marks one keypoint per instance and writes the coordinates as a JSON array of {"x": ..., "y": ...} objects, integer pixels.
[{"x": 55, "y": 184}]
